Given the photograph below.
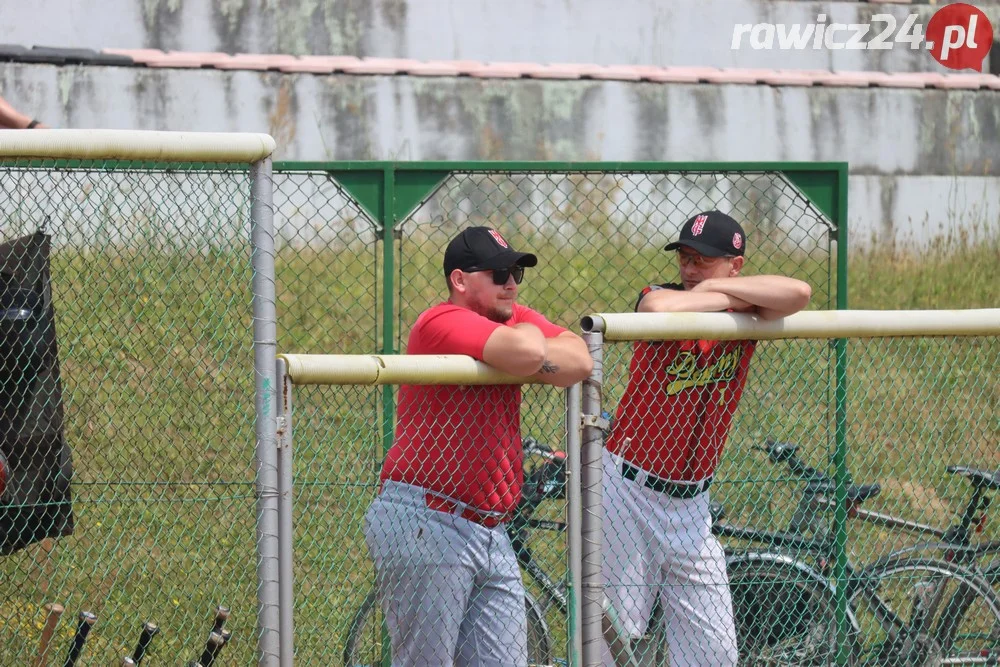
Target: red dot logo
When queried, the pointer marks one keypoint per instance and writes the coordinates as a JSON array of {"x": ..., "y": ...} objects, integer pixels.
[
  {"x": 960, "y": 36},
  {"x": 496, "y": 237}
]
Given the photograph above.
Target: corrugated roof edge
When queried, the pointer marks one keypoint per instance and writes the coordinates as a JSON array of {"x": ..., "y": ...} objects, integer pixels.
[{"x": 349, "y": 65}]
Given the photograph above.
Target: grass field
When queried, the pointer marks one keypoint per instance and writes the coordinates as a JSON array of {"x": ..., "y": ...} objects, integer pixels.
[{"x": 155, "y": 356}]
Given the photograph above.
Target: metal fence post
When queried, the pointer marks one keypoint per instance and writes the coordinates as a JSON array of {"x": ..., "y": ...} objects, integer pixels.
[
  {"x": 592, "y": 584},
  {"x": 574, "y": 512},
  {"x": 389, "y": 268},
  {"x": 286, "y": 594},
  {"x": 841, "y": 472},
  {"x": 264, "y": 346}
]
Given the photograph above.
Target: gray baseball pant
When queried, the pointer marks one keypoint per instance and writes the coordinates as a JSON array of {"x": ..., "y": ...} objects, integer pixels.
[{"x": 450, "y": 588}]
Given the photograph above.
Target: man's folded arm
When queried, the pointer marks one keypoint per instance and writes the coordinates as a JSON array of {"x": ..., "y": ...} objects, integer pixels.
[
  {"x": 518, "y": 350},
  {"x": 567, "y": 361}
]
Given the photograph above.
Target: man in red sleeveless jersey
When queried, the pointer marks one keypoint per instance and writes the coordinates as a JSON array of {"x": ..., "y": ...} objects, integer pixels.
[
  {"x": 668, "y": 433},
  {"x": 446, "y": 573}
]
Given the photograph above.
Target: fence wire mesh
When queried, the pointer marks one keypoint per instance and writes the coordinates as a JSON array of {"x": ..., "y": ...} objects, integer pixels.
[
  {"x": 922, "y": 437},
  {"x": 451, "y": 525},
  {"x": 148, "y": 274},
  {"x": 336, "y": 483},
  {"x": 336, "y": 447},
  {"x": 328, "y": 266},
  {"x": 599, "y": 238}
]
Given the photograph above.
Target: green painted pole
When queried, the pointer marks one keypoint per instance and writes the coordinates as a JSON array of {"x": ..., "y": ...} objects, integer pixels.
[
  {"x": 388, "y": 297},
  {"x": 388, "y": 337},
  {"x": 840, "y": 434}
]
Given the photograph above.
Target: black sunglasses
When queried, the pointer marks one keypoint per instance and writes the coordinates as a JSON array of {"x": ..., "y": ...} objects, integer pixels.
[{"x": 500, "y": 276}]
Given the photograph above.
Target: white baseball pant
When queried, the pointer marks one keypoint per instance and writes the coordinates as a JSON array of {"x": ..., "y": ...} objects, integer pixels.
[{"x": 658, "y": 545}]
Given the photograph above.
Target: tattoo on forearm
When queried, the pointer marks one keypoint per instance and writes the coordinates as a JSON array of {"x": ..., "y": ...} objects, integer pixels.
[{"x": 549, "y": 367}]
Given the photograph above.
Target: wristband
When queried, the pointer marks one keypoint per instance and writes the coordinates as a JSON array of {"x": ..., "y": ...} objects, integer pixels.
[{"x": 32, "y": 124}]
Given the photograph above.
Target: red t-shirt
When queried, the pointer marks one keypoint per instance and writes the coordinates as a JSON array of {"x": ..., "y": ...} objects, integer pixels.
[
  {"x": 463, "y": 442},
  {"x": 674, "y": 417}
]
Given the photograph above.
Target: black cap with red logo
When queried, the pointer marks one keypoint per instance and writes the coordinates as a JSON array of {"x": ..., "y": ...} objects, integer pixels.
[
  {"x": 482, "y": 249},
  {"x": 712, "y": 234}
]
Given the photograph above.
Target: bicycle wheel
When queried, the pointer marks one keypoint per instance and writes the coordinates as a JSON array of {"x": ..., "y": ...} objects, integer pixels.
[
  {"x": 539, "y": 640},
  {"x": 365, "y": 645},
  {"x": 992, "y": 574},
  {"x": 927, "y": 612},
  {"x": 784, "y": 611}
]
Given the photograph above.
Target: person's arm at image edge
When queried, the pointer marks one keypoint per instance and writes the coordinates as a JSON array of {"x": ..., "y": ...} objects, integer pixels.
[{"x": 14, "y": 119}]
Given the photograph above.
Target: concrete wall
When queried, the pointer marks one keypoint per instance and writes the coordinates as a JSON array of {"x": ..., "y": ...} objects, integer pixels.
[{"x": 922, "y": 162}]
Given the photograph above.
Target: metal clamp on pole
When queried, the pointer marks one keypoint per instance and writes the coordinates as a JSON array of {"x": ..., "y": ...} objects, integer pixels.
[
  {"x": 281, "y": 432},
  {"x": 596, "y": 421},
  {"x": 286, "y": 593}
]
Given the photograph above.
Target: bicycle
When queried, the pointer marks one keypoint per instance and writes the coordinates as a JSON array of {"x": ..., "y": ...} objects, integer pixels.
[
  {"x": 911, "y": 600},
  {"x": 956, "y": 542},
  {"x": 801, "y": 628}
]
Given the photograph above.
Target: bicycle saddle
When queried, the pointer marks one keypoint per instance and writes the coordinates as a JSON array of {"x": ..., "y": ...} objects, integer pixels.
[
  {"x": 984, "y": 479},
  {"x": 716, "y": 511},
  {"x": 856, "y": 493},
  {"x": 780, "y": 451},
  {"x": 861, "y": 492}
]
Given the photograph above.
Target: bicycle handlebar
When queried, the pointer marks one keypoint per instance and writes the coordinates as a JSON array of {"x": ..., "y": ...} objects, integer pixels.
[
  {"x": 785, "y": 452},
  {"x": 531, "y": 447},
  {"x": 545, "y": 481},
  {"x": 818, "y": 484}
]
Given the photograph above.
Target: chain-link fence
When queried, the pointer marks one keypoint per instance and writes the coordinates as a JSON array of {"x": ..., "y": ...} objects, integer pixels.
[
  {"x": 126, "y": 298},
  {"x": 148, "y": 288},
  {"x": 750, "y": 557},
  {"x": 127, "y": 447},
  {"x": 599, "y": 236},
  {"x": 462, "y": 503},
  {"x": 147, "y": 268}
]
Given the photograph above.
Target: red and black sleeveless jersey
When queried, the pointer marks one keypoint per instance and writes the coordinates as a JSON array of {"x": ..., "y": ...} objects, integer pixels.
[{"x": 674, "y": 417}]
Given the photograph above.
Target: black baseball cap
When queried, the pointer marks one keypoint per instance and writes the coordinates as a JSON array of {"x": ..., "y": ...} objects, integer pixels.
[
  {"x": 712, "y": 234},
  {"x": 482, "y": 249}
]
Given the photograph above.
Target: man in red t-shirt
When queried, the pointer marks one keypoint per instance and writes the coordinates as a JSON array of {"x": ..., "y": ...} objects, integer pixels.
[
  {"x": 446, "y": 573},
  {"x": 668, "y": 434}
]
